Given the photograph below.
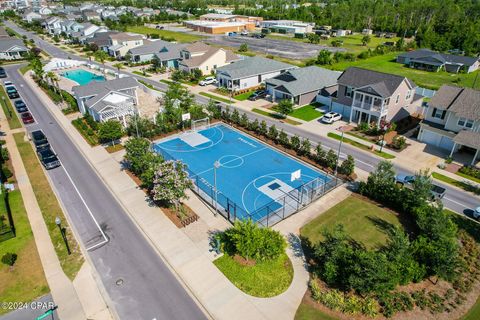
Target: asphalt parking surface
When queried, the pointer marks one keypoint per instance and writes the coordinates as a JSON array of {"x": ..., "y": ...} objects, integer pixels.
[{"x": 282, "y": 48}]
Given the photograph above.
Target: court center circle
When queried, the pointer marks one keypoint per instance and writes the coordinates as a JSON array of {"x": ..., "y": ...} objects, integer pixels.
[{"x": 230, "y": 161}]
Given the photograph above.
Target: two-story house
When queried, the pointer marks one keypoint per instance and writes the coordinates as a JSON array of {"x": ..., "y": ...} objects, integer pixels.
[
  {"x": 452, "y": 120},
  {"x": 121, "y": 43},
  {"x": 371, "y": 96},
  {"x": 53, "y": 25},
  {"x": 205, "y": 58}
]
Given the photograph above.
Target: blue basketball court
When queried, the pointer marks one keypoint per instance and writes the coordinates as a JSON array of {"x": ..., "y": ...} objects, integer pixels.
[{"x": 253, "y": 180}]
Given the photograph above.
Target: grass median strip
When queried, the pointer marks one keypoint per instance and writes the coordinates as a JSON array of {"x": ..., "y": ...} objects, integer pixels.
[
  {"x": 211, "y": 96},
  {"x": 10, "y": 113},
  {"x": 26, "y": 281},
  {"x": 50, "y": 208},
  {"x": 276, "y": 116},
  {"x": 460, "y": 184},
  {"x": 361, "y": 146},
  {"x": 466, "y": 176},
  {"x": 149, "y": 86},
  {"x": 146, "y": 75}
]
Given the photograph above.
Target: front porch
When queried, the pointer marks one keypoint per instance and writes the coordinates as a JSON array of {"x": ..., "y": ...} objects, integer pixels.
[
  {"x": 468, "y": 141},
  {"x": 367, "y": 108}
]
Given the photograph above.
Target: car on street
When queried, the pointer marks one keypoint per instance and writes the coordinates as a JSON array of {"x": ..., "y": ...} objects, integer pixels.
[
  {"x": 12, "y": 92},
  {"x": 7, "y": 83},
  {"x": 259, "y": 94},
  {"x": 48, "y": 158},
  {"x": 259, "y": 35},
  {"x": 3, "y": 74},
  {"x": 20, "y": 106},
  {"x": 476, "y": 213},
  {"x": 436, "y": 192},
  {"x": 27, "y": 118},
  {"x": 39, "y": 139},
  {"x": 331, "y": 117},
  {"x": 244, "y": 33},
  {"x": 207, "y": 81}
]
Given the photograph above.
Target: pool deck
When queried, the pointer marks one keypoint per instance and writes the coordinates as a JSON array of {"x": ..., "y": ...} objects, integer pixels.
[{"x": 67, "y": 84}]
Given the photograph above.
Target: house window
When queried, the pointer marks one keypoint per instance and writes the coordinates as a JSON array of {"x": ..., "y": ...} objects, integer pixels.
[
  {"x": 439, "y": 114},
  {"x": 206, "y": 67},
  {"x": 409, "y": 95},
  {"x": 259, "y": 78},
  {"x": 398, "y": 98},
  {"x": 464, "y": 122},
  {"x": 348, "y": 92}
]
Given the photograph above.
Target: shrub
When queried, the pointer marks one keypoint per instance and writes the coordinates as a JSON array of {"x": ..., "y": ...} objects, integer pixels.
[
  {"x": 363, "y": 127},
  {"x": 348, "y": 166},
  {"x": 353, "y": 305},
  {"x": 273, "y": 133},
  {"x": 331, "y": 159},
  {"x": 9, "y": 259},
  {"x": 333, "y": 299},
  {"x": 315, "y": 289},
  {"x": 370, "y": 307},
  {"x": 283, "y": 139},
  {"x": 5, "y": 154},
  {"x": 420, "y": 299},
  {"x": 399, "y": 142},
  {"x": 7, "y": 173},
  {"x": 470, "y": 171},
  {"x": 250, "y": 241},
  {"x": 295, "y": 143}
]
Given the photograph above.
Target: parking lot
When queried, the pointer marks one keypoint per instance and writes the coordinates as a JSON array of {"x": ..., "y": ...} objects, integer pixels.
[{"x": 282, "y": 48}]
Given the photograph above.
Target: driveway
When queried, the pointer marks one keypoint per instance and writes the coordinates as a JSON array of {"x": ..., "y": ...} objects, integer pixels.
[{"x": 283, "y": 48}]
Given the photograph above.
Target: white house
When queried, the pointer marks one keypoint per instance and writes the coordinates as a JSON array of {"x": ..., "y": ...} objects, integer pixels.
[
  {"x": 122, "y": 42},
  {"x": 250, "y": 72},
  {"x": 12, "y": 49},
  {"x": 112, "y": 99},
  {"x": 205, "y": 58}
]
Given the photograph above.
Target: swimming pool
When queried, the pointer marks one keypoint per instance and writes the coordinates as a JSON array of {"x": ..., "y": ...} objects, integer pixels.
[
  {"x": 254, "y": 180},
  {"x": 82, "y": 77}
]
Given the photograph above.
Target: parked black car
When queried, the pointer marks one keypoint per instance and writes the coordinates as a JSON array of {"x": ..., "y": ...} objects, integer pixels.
[
  {"x": 259, "y": 94},
  {"x": 20, "y": 106},
  {"x": 12, "y": 92},
  {"x": 3, "y": 74},
  {"x": 48, "y": 158},
  {"x": 39, "y": 139}
]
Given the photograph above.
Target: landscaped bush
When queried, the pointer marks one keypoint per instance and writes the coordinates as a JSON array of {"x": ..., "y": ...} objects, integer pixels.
[
  {"x": 5, "y": 155},
  {"x": 470, "y": 171},
  {"x": 399, "y": 142},
  {"x": 9, "y": 259},
  {"x": 7, "y": 173},
  {"x": 250, "y": 241}
]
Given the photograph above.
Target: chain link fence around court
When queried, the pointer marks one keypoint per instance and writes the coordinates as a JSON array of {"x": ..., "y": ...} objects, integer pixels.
[{"x": 269, "y": 214}]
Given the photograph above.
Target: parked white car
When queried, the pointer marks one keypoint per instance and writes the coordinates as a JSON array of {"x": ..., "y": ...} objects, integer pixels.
[
  {"x": 331, "y": 117},
  {"x": 207, "y": 81},
  {"x": 476, "y": 213}
]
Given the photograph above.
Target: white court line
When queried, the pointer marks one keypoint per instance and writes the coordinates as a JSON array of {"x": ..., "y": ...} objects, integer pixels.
[
  {"x": 89, "y": 211},
  {"x": 238, "y": 157}
]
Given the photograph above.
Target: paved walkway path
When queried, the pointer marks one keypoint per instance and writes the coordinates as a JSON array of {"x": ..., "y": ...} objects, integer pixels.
[{"x": 186, "y": 250}]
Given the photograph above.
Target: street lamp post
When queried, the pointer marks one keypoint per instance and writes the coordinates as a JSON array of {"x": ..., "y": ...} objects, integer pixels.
[
  {"x": 58, "y": 222},
  {"x": 382, "y": 142},
  {"x": 338, "y": 153},
  {"x": 216, "y": 165}
]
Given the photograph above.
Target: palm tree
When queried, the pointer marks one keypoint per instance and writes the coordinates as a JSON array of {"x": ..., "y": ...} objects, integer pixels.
[
  {"x": 119, "y": 66},
  {"x": 52, "y": 76},
  {"x": 101, "y": 56},
  {"x": 37, "y": 68}
]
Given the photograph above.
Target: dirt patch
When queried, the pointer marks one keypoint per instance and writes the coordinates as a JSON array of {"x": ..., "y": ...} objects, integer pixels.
[
  {"x": 190, "y": 217},
  {"x": 244, "y": 262}
]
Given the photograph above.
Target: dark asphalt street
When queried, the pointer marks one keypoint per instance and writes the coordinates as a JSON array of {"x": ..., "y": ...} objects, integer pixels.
[{"x": 148, "y": 288}]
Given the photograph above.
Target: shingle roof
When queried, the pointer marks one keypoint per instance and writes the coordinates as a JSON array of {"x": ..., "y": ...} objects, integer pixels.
[
  {"x": 468, "y": 138},
  {"x": 464, "y": 102},
  {"x": 303, "y": 80},
  {"x": 197, "y": 47},
  {"x": 253, "y": 66},
  {"x": 373, "y": 81},
  {"x": 198, "y": 60},
  {"x": 153, "y": 47},
  {"x": 123, "y": 36},
  {"x": 95, "y": 88},
  {"x": 8, "y": 43},
  {"x": 426, "y": 55}
]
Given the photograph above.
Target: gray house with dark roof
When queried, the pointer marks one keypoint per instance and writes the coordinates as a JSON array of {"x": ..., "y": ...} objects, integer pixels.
[
  {"x": 371, "y": 96},
  {"x": 302, "y": 85},
  {"x": 167, "y": 52},
  {"x": 250, "y": 72},
  {"x": 452, "y": 120},
  {"x": 112, "y": 99},
  {"x": 425, "y": 59},
  {"x": 12, "y": 49}
]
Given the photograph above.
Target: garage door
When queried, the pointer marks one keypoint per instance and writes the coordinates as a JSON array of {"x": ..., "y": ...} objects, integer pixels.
[{"x": 437, "y": 140}]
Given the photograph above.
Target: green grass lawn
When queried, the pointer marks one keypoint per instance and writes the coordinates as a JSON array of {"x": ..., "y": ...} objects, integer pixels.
[
  {"x": 466, "y": 176},
  {"x": 24, "y": 69},
  {"x": 432, "y": 80},
  {"x": 146, "y": 75},
  {"x": 308, "y": 312},
  {"x": 214, "y": 97},
  {"x": 50, "y": 208},
  {"x": 178, "y": 36},
  {"x": 361, "y": 219},
  {"x": 276, "y": 116},
  {"x": 26, "y": 281},
  {"x": 360, "y": 146},
  {"x": 474, "y": 312},
  {"x": 307, "y": 113},
  {"x": 10, "y": 113},
  {"x": 460, "y": 184},
  {"x": 243, "y": 96},
  {"x": 264, "y": 279}
]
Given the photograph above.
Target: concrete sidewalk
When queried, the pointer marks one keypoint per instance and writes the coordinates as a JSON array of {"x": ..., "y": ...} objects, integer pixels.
[
  {"x": 80, "y": 299},
  {"x": 186, "y": 250}
]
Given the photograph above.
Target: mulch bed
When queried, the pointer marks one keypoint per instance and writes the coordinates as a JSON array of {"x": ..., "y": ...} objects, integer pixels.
[
  {"x": 452, "y": 167},
  {"x": 244, "y": 262}
]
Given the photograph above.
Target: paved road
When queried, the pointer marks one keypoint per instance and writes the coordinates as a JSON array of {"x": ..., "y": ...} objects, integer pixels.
[
  {"x": 283, "y": 48},
  {"x": 32, "y": 310},
  {"x": 149, "y": 289},
  {"x": 456, "y": 200}
]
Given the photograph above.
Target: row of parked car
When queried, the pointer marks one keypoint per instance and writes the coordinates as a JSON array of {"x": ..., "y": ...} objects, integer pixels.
[{"x": 44, "y": 151}]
